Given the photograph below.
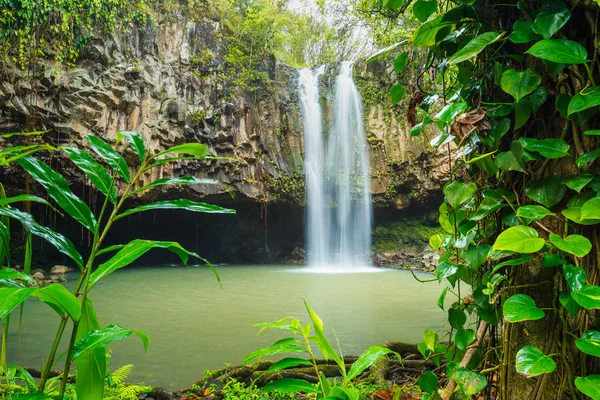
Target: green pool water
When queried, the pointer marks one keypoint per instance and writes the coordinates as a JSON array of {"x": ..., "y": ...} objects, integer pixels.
[{"x": 195, "y": 325}]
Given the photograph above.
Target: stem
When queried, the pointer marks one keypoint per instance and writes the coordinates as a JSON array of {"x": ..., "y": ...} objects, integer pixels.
[
  {"x": 4, "y": 343},
  {"x": 587, "y": 68}
]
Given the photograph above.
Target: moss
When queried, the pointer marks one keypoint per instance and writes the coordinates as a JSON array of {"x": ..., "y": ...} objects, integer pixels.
[
  {"x": 289, "y": 187},
  {"x": 405, "y": 232}
]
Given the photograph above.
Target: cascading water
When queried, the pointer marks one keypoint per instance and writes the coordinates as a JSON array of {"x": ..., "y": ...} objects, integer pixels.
[{"x": 338, "y": 178}]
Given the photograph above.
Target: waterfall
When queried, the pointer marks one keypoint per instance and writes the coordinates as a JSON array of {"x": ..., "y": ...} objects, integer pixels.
[{"x": 338, "y": 177}]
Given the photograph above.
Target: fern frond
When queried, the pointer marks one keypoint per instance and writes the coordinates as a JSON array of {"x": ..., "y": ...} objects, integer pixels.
[
  {"x": 121, "y": 374},
  {"x": 131, "y": 392}
]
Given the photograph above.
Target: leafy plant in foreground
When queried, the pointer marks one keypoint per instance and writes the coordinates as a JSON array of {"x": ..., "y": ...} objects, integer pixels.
[
  {"x": 302, "y": 341},
  {"x": 87, "y": 340}
]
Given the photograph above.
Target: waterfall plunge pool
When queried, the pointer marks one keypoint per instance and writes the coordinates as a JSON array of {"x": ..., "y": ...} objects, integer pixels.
[{"x": 194, "y": 324}]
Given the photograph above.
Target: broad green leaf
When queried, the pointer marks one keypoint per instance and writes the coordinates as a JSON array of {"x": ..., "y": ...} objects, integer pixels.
[
  {"x": 574, "y": 244},
  {"x": 442, "y": 298},
  {"x": 522, "y": 32},
  {"x": 134, "y": 250},
  {"x": 470, "y": 382},
  {"x": 9, "y": 273},
  {"x": 511, "y": 160},
  {"x": 592, "y": 132},
  {"x": 523, "y": 111},
  {"x": 531, "y": 361},
  {"x": 534, "y": 212},
  {"x": 422, "y": 9},
  {"x": 464, "y": 337},
  {"x": 366, "y": 359},
  {"x": 547, "y": 24},
  {"x": 586, "y": 99},
  {"x": 193, "y": 149},
  {"x": 135, "y": 141},
  {"x": 589, "y": 343},
  {"x": 575, "y": 277},
  {"x": 394, "y": 4},
  {"x": 61, "y": 243},
  {"x": 290, "y": 385},
  {"x": 587, "y": 158},
  {"x": 179, "y": 204},
  {"x": 577, "y": 183},
  {"x": 100, "y": 338},
  {"x": 588, "y": 297},
  {"x": 573, "y": 210},
  {"x": 521, "y": 239},
  {"x": 487, "y": 206},
  {"x": 457, "y": 193},
  {"x": 322, "y": 342},
  {"x": 22, "y": 198},
  {"x": 590, "y": 386},
  {"x": 397, "y": 91},
  {"x": 58, "y": 188},
  {"x": 402, "y": 59},
  {"x": 436, "y": 241},
  {"x": 288, "y": 345},
  {"x": 522, "y": 259},
  {"x": 475, "y": 256},
  {"x": 569, "y": 304},
  {"x": 428, "y": 33},
  {"x": 457, "y": 318},
  {"x": 547, "y": 191},
  {"x": 94, "y": 171},
  {"x": 61, "y": 300},
  {"x": 538, "y": 98},
  {"x": 475, "y": 46},
  {"x": 520, "y": 84},
  {"x": 108, "y": 154},
  {"x": 91, "y": 366},
  {"x": 288, "y": 363},
  {"x": 10, "y": 298},
  {"x": 591, "y": 209},
  {"x": 549, "y": 148},
  {"x": 445, "y": 269},
  {"x": 182, "y": 180},
  {"x": 450, "y": 111},
  {"x": 559, "y": 51},
  {"x": 380, "y": 53},
  {"x": 428, "y": 382},
  {"x": 500, "y": 128},
  {"x": 431, "y": 339},
  {"x": 552, "y": 260},
  {"x": 443, "y": 138},
  {"x": 521, "y": 307}
]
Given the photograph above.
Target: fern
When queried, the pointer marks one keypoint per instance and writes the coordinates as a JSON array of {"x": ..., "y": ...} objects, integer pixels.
[
  {"x": 121, "y": 374},
  {"x": 121, "y": 390}
]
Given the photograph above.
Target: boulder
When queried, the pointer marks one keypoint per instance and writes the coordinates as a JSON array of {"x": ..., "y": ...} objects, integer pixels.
[
  {"x": 38, "y": 276},
  {"x": 59, "y": 270}
]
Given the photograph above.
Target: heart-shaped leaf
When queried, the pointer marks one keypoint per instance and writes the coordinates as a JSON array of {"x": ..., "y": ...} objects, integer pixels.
[
  {"x": 569, "y": 304},
  {"x": 589, "y": 343},
  {"x": 559, "y": 51},
  {"x": 475, "y": 46},
  {"x": 423, "y": 9},
  {"x": 587, "y": 158},
  {"x": 587, "y": 98},
  {"x": 547, "y": 191},
  {"x": 574, "y": 244},
  {"x": 573, "y": 210},
  {"x": 428, "y": 382},
  {"x": 531, "y": 361},
  {"x": 475, "y": 256},
  {"x": 521, "y": 239},
  {"x": 427, "y": 34},
  {"x": 575, "y": 277},
  {"x": 588, "y": 297},
  {"x": 511, "y": 160},
  {"x": 549, "y": 148},
  {"x": 397, "y": 91},
  {"x": 547, "y": 24},
  {"x": 400, "y": 62},
  {"x": 533, "y": 212},
  {"x": 590, "y": 386},
  {"x": 457, "y": 193},
  {"x": 464, "y": 337},
  {"x": 469, "y": 382},
  {"x": 520, "y": 84},
  {"x": 457, "y": 318},
  {"x": 591, "y": 209},
  {"x": 552, "y": 260},
  {"x": 521, "y": 307},
  {"x": 577, "y": 183},
  {"x": 523, "y": 32}
]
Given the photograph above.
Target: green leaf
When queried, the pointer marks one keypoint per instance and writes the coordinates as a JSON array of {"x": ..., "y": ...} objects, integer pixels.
[
  {"x": 469, "y": 382},
  {"x": 538, "y": 98},
  {"x": 547, "y": 191},
  {"x": 456, "y": 318},
  {"x": 591, "y": 209},
  {"x": 521, "y": 307},
  {"x": 428, "y": 33},
  {"x": 464, "y": 337},
  {"x": 575, "y": 277},
  {"x": 552, "y": 260},
  {"x": 431, "y": 339},
  {"x": 549, "y": 148},
  {"x": 402, "y": 59},
  {"x": 589, "y": 343},
  {"x": 534, "y": 212},
  {"x": 445, "y": 269},
  {"x": 450, "y": 111},
  {"x": 61, "y": 300},
  {"x": 9, "y": 273},
  {"x": 559, "y": 51},
  {"x": 574, "y": 244},
  {"x": 587, "y": 158},
  {"x": 288, "y": 363},
  {"x": 522, "y": 32},
  {"x": 108, "y": 154},
  {"x": 590, "y": 386},
  {"x": 193, "y": 149},
  {"x": 393, "y": 4},
  {"x": 522, "y": 259},
  {"x": 61, "y": 243},
  {"x": 134, "y": 250},
  {"x": 475, "y": 46},
  {"x": 521, "y": 239},
  {"x": 380, "y": 53},
  {"x": 511, "y": 160},
  {"x": 423, "y": 9},
  {"x": 290, "y": 385},
  {"x": 586, "y": 99},
  {"x": 58, "y": 188},
  {"x": 182, "y": 180},
  {"x": 531, "y": 361},
  {"x": 577, "y": 183},
  {"x": 588, "y": 297},
  {"x": 428, "y": 382},
  {"x": 366, "y": 359},
  {"x": 475, "y": 256},
  {"x": 442, "y": 298},
  {"x": 100, "y": 338},
  {"x": 573, "y": 212},
  {"x": 179, "y": 204},
  {"x": 135, "y": 141},
  {"x": 91, "y": 366},
  {"x": 523, "y": 111},
  {"x": 547, "y": 24},
  {"x": 94, "y": 171},
  {"x": 22, "y": 198},
  {"x": 322, "y": 342},
  {"x": 457, "y": 193},
  {"x": 10, "y": 298},
  {"x": 288, "y": 345},
  {"x": 520, "y": 84},
  {"x": 593, "y": 132},
  {"x": 397, "y": 91},
  {"x": 569, "y": 304}
]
